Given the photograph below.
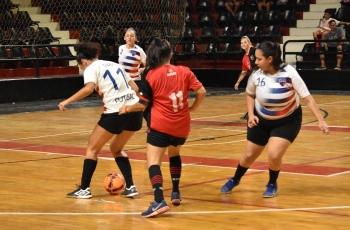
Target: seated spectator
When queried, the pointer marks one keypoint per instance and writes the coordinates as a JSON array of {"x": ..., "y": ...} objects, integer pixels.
[
  {"x": 265, "y": 3},
  {"x": 324, "y": 27},
  {"x": 345, "y": 3},
  {"x": 233, "y": 6},
  {"x": 336, "y": 33}
]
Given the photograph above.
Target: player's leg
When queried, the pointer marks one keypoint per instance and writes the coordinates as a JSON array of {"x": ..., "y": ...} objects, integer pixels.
[
  {"x": 252, "y": 152},
  {"x": 97, "y": 140},
  {"x": 121, "y": 158},
  {"x": 154, "y": 159},
  {"x": 175, "y": 165},
  {"x": 276, "y": 148}
]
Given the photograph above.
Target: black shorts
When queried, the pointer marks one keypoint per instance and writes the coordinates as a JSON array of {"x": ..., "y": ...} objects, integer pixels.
[
  {"x": 115, "y": 123},
  {"x": 162, "y": 140},
  {"x": 287, "y": 128}
]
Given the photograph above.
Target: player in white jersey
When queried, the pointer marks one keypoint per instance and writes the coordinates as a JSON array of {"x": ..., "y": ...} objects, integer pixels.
[
  {"x": 274, "y": 114},
  {"x": 131, "y": 56},
  {"x": 116, "y": 89}
]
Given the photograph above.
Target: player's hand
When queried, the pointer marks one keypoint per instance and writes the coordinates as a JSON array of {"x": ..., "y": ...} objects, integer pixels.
[
  {"x": 122, "y": 110},
  {"x": 324, "y": 127},
  {"x": 62, "y": 106},
  {"x": 236, "y": 86},
  {"x": 252, "y": 121}
]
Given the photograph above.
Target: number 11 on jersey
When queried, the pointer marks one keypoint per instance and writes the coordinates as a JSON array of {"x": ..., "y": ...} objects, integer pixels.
[{"x": 177, "y": 100}]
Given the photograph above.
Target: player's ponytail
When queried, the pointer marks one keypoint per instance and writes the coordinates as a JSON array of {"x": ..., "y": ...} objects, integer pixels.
[
  {"x": 158, "y": 53},
  {"x": 268, "y": 49}
]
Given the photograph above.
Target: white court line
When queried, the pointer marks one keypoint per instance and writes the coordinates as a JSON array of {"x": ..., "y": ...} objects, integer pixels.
[
  {"x": 53, "y": 135},
  {"x": 333, "y": 103},
  {"x": 221, "y": 143},
  {"x": 337, "y": 174},
  {"x": 234, "y": 130},
  {"x": 217, "y": 116},
  {"x": 192, "y": 164},
  {"x": 176, "y": 213}
]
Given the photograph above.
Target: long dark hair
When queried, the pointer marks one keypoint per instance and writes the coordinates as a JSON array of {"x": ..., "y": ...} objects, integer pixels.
[
  {"x": 158, "y": 53},
  {"x": 86, "y": 50},
  {"x": 268, "y": 49}
]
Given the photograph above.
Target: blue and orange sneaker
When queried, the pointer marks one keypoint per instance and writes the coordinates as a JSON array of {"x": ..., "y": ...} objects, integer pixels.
[
  {"x": 229, "y": 185},
  {"x": 156, "y": 209},
  {"x": 175, "y": 198},
  {"x": 271, "y": 190}
]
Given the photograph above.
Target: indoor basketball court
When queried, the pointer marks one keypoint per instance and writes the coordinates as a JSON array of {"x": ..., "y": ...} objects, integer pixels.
[{"x": 42, "y": 151}]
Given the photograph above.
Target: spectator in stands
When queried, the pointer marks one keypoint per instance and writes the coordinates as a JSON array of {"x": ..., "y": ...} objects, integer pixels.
[
  {"x": 265, "y": 3},
  {"x": 345, "y": 3},
  {"x": 248, "y": 62},
  {"x": 336, "y": 33},
  {"x": 273, "y": 97},
  {"x": 116, "y": 89},
  {"x": 324, "y": 27},
  {"x": 233, "y": 6}
]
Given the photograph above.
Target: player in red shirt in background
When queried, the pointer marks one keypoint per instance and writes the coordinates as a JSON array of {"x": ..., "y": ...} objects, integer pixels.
[
  {"x": 248, "y": 63},
  {"x": 164, "y": 90}
]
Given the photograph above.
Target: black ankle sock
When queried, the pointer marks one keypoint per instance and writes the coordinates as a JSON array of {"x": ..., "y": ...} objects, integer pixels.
[
  {"x": 175, "y": 171},
  {"x": 240, "y": 171},
  {"x": 125, "y": 168},
  {"x": 88, "y": 170},
  {"x": 273, "y": 176},
  {"x": 156, "y": 178}
]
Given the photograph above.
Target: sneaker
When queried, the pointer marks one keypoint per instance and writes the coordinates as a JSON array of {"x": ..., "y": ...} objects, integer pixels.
[
  {"x": 271, "y": 190},
  {"x": 245, "y": 117},
  {"x": 80, "y": 193},
  {"x": 337, "y": 68},
  {"x": 156, "y": 209},
  {"x": 230, "y": 184},
  {"x": 129, "y": 192},
  {"x": 175, "y": 198},
  {"x": 321, "y": 68}
]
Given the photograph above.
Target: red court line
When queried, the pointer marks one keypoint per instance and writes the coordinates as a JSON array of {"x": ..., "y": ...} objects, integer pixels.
[
  {"x": 197, "y": 160},
  {"x": 244, "y": 124}
]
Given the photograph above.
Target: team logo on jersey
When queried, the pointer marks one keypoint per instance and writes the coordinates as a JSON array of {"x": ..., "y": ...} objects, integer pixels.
[
  {"x": 171, "y": 73},
  {"x": 121, "y": 51},
  {"x": 284, "y": 80},
  {"x": 133, "y": 53}
]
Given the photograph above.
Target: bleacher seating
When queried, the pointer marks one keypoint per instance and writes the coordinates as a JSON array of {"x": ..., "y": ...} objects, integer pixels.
[{"x": 209, "y": 27}]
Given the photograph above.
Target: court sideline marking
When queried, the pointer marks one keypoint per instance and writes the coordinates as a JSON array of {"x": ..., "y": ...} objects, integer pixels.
[{"x": 180, "y": 213}]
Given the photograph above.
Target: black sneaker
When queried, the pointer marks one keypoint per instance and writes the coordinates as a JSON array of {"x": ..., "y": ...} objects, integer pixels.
[
  {"x": 129, "y": 192},
  {"x": 175, "y": 198},
  {"x": 245, "y": 117},
  {"x": 80, "y": 193}
]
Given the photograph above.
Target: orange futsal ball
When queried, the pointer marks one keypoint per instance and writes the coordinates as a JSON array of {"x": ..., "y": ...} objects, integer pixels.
[{"x": 114, "y": 183}]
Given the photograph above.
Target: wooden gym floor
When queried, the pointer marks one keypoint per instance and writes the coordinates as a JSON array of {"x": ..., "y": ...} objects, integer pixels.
[{"x": 42, "y": 152}]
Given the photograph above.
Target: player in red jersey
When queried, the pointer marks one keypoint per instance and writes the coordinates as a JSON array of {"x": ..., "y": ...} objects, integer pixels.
[{"x": 164, "y": 90}]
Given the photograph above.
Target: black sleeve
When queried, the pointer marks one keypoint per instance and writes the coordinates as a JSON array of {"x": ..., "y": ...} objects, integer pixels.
[{"x": 146, "y": 91}]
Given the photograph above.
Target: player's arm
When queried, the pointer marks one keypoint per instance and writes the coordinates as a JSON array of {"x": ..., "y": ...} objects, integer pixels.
[
  {"x": 82, "y": 93},
  {"x": 139, "y": 106},
  {"x": 311, "y": 104},
  {"x": 200, "y": 95},
  {"x": 240, "y": 78},
  {"x": 134, "y": 87}
]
